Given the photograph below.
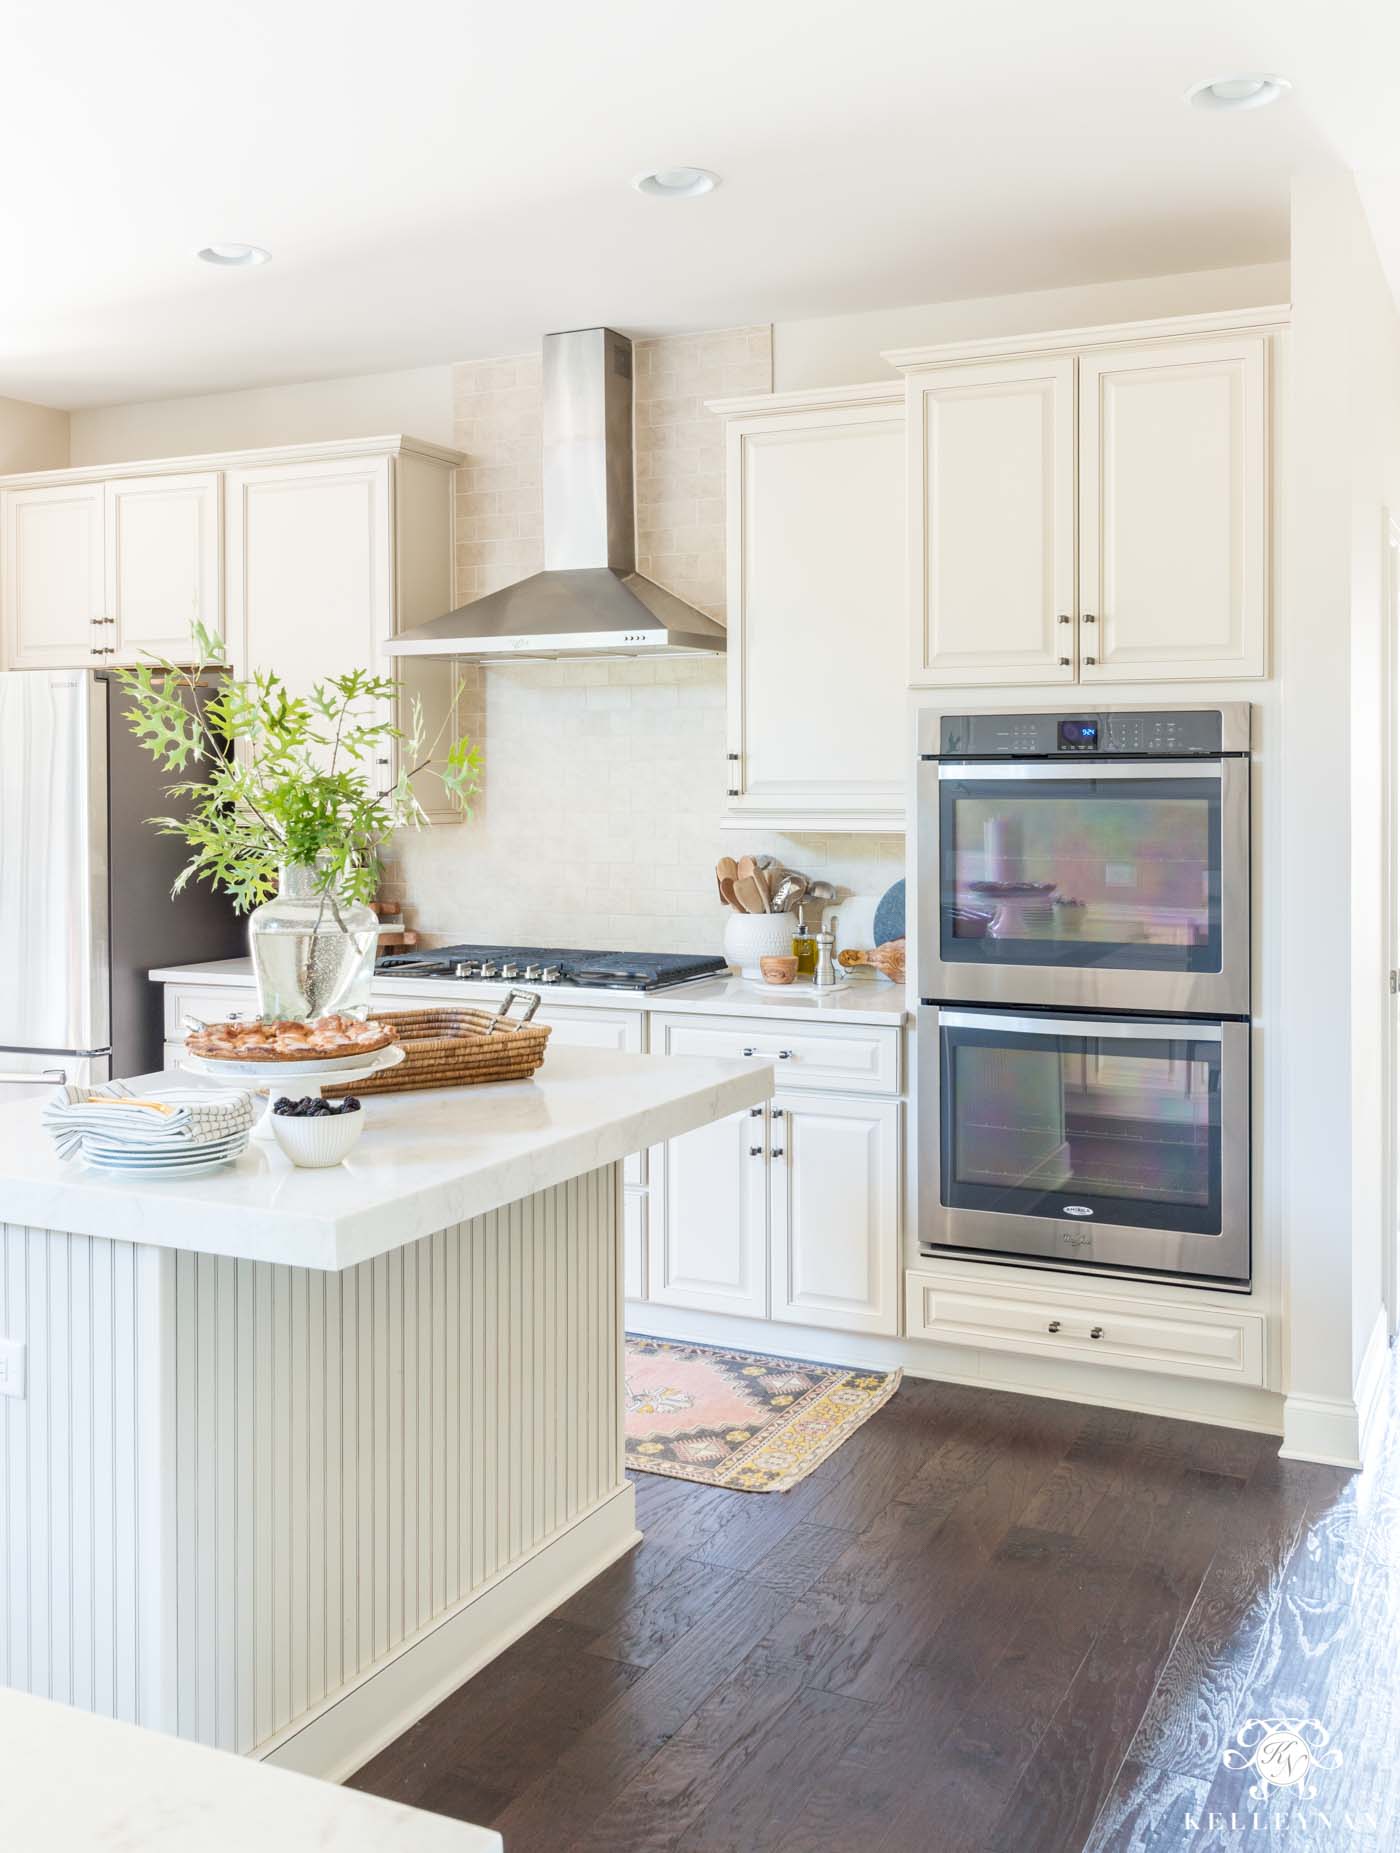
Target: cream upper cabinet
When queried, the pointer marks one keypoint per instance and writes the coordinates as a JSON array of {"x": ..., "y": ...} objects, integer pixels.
[
  {"x": 54, "y": 584},
  {"x": 1173, "y": 542},
  {"x": 162, "y": 563},
  {"x": 1096, "y": 512},
  {"x": 991, "y": 530},
  {"x": 815, "y": 486}
]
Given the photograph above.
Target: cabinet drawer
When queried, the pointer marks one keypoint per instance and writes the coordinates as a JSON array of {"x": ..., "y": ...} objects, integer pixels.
[
  {"x": 852, "y": 1058},
  {"x": 211, "y": 1003},
  {"x": 1203, "y": 1341}
]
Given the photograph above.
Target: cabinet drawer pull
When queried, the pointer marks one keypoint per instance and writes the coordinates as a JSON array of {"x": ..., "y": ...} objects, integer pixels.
[
  {"x": 1053, "y": 1326},
  {"x": 1096, "y": 1331},
  {"x": 748, "y": 1051},
  {"x": 784, "y": 1055}
]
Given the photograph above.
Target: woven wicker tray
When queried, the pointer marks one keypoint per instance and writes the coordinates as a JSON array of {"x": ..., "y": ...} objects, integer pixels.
[{"x": 450, "y": 1047}]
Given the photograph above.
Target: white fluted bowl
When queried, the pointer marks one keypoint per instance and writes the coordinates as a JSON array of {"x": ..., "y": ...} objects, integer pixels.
[
  {"x": 751, "y": 937},
  {"x": 317, "y": 1143}
]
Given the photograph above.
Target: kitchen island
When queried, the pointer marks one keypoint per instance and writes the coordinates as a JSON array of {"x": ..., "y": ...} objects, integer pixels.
[{"x": 287, "y": 1455}]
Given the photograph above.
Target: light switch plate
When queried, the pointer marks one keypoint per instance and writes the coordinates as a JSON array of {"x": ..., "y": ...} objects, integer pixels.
[{"x": 11, "y": 1367}]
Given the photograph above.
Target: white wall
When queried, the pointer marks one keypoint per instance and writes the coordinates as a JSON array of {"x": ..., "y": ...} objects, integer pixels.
[
  {"x": 844, "y": 350},
  {"x": 417, "y": 402},
  {"x": 1343, "y": 468},
  {"x": 32, "y": 437}
]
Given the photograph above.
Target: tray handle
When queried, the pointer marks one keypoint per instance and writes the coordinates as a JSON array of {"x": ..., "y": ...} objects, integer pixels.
[{"x": 531, "y": 1001}]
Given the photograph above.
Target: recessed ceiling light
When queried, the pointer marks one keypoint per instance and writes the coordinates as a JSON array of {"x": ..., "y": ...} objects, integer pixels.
[
  {"x": 1251, "y": 91},
  {"x": 677, "y": 182},
  {"x": 235, "y": 256}
]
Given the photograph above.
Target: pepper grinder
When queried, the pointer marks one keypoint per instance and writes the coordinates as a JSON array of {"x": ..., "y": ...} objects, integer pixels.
[{"x": 825, "y": 976}]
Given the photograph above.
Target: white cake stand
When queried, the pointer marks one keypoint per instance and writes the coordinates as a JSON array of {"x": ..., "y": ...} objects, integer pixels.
[{"x": 296, "y": 1080}]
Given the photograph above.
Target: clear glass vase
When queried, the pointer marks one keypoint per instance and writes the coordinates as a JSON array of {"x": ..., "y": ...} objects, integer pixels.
[{"x": 313, "y": 951}]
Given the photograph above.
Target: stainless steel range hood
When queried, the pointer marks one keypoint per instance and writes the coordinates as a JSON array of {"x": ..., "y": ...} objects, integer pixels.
[{"x": 589, "y": 600}]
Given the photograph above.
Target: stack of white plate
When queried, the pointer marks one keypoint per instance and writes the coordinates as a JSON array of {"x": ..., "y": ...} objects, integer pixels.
[{"x": 185, "y": 1160}]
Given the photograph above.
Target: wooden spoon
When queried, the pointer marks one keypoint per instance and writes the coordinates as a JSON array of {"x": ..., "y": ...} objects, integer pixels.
[
  {"x": 725, "y": 870},
  {"x": 753, "y": 898},
  {"x": 728, "y": 895}
]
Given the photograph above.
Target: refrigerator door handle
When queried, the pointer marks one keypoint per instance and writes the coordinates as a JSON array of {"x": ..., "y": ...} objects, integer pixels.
[{"x": 57, "y": 1075}]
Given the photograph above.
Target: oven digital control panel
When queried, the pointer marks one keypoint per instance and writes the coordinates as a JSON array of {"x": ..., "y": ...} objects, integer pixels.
[{"x": 1144, "y": 733}]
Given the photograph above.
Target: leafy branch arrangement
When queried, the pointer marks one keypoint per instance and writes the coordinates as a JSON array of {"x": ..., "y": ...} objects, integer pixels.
[{"x": 284, "y": 776}]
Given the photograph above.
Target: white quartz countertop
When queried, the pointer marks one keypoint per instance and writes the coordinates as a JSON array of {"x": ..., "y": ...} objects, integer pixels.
[
  {"x": 864, "y": 999},
  {"x": 425, "y": 1161},
  {"x": 74, "y": 1782}
]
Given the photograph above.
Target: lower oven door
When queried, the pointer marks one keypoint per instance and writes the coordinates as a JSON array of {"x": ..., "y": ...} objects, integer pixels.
[{"x": 1110, "y": 1143}]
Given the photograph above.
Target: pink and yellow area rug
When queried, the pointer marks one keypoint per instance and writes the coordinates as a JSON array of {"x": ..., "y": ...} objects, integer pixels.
[{"x": 736, "y": 1419}]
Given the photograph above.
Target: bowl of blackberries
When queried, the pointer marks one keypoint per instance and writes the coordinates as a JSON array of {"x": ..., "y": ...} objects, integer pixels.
[{"x": 316, "y": 1133}]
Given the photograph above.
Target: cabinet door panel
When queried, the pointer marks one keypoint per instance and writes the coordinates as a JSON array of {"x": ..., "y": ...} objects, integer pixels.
[
  {"x": 991, "y": 460},
  {"x": 709, "y": 1234},
  {"x": 1173, "y": 517},
  {"x": 53, "y": 577},
  {"x": 309, "y": 586},
  {"x": 162, "y": 566},
  {"x": 835, "y": 1216},
  {"x": 816, "y": 581}
]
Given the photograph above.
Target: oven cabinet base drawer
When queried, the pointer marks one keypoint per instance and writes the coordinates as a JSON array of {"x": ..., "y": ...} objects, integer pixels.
[
  {"x": 846, "y": 1058},
  {"x": 1133, "y": 1334}
]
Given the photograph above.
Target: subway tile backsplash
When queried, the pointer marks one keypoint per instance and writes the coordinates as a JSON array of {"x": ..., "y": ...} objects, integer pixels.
[{"x": 604, "y": 782}]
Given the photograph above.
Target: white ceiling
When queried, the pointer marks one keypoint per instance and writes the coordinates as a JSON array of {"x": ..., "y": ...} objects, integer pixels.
[{"x": 439, "y": 179}]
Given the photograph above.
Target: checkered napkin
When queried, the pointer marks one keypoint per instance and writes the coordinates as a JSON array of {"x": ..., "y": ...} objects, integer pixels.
[{"x": 159, "y": 1119}]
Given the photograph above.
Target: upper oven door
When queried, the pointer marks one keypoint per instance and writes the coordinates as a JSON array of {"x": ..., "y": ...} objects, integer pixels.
[{"x": 1113, "y": 885}]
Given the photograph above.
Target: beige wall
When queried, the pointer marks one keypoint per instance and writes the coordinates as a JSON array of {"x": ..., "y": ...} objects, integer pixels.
[
  {"x": 32, "y": 437},
  {"x": 417, "y": 402},
  {"x": 844, "y": 350}
]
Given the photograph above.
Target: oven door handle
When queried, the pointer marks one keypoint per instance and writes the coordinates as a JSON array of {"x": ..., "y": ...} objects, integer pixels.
[
  {"x": 1079, "y": 771},
  {"x": 1144, "y": 1029}
]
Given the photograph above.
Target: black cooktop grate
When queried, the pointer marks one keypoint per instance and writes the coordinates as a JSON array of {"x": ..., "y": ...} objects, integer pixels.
[{"x": 631, "y": 971}]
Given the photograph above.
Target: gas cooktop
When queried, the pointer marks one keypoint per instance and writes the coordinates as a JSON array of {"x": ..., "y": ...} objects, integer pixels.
[{"x": 592, "y": 971}]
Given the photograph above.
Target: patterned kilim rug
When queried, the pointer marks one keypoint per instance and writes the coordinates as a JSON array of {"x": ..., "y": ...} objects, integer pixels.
[{"x": 737, "y": 1419}]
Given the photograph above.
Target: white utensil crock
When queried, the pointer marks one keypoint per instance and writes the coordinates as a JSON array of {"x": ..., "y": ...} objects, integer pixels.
[{"x": 751, "y": 937}]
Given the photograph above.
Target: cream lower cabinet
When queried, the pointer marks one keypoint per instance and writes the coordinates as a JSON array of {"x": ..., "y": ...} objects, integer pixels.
[{"x": 789, "y": 1212}]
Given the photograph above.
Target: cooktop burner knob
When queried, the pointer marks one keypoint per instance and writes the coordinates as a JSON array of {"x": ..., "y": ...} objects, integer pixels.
[
  {"x": 487, "y": 969},
  {"x": 464, "y": 968},
  {"x": 510, "y": 969},
  {"x": 551, "y": 975},
  {"x": 530, "y": 971}
]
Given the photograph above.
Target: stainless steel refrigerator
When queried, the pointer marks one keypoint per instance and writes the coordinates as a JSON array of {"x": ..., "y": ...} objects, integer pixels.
[{"x": 85, "y": 904}]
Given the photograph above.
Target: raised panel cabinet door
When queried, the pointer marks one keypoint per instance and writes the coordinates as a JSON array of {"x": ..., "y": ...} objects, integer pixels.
[
  {"x": 816, "y": 624},
  {"x": 836, "y": 1237},
  {"x": 310, "y": 565},
  {"x": 708, "y": 1238},
  {"x": 991, "y": 523},
  {"x": 162, "y": 566},
  {"x": 53, "y": 586},
  {"x": 1173, "y": 527}
]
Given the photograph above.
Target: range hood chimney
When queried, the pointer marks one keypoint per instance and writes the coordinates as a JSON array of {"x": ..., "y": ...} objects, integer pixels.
[{"x": 590, "y": 600}]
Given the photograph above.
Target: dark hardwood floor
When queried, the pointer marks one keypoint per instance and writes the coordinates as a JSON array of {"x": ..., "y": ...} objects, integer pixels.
[{"x": 989, "y": 1622}]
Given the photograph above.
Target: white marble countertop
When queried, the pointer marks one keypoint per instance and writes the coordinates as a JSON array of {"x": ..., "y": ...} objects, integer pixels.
[
  {"x": 865, "y": 999},
  {"x": 425, "y": 1161},
  {"x": 73, "y": 1781}
]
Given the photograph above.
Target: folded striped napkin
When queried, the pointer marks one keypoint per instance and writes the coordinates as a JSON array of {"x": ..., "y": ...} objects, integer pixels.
[{"x": 158, "y": 1119}]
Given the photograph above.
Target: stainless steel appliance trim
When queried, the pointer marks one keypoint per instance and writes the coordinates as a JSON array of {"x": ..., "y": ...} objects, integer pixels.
[
  {"x": 1223, "y": 993},
  {"x": 57, "y": 1075},
  {"x": 1034, "y": 770},
  {"x": 1235, "y": 718},
  {"x": 1125, "y": 1028},
  {"x": 1117, "y": 1249}
]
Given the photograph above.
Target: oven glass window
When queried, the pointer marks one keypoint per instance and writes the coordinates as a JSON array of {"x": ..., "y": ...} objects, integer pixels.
[
  {"x": 1120, "y": 873},
  {"x": 1107, "y": 1129}
]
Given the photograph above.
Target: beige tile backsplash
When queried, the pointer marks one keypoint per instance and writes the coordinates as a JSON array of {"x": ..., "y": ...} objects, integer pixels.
[{"x": 598, "y": 820}]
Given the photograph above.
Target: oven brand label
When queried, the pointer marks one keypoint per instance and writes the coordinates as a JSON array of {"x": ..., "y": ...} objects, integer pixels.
[{"x": 1076, "y": 1209}]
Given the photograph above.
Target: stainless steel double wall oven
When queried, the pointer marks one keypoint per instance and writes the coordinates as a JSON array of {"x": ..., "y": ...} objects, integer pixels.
[{"x": 1083, "y": 960}]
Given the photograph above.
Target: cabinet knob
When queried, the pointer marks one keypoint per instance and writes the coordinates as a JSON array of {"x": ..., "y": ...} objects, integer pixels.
[
  {"x": 776, "y": 1152},
  {"x": 1089, "y": 661},
  {"x": 777, "y": 1113},
  {"x": 755, "y": 1113},
  {"x": 1053, "y": 1326},
  {"x": 1064, "y": 662},
  {"x": 1064, "y": 618},
  {"x": 755, "y": 1151},
  {"x": 732, "y": 791},
  {"x": 1096, "y": 1331},
  {"x": 1089, "y": 618}
]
